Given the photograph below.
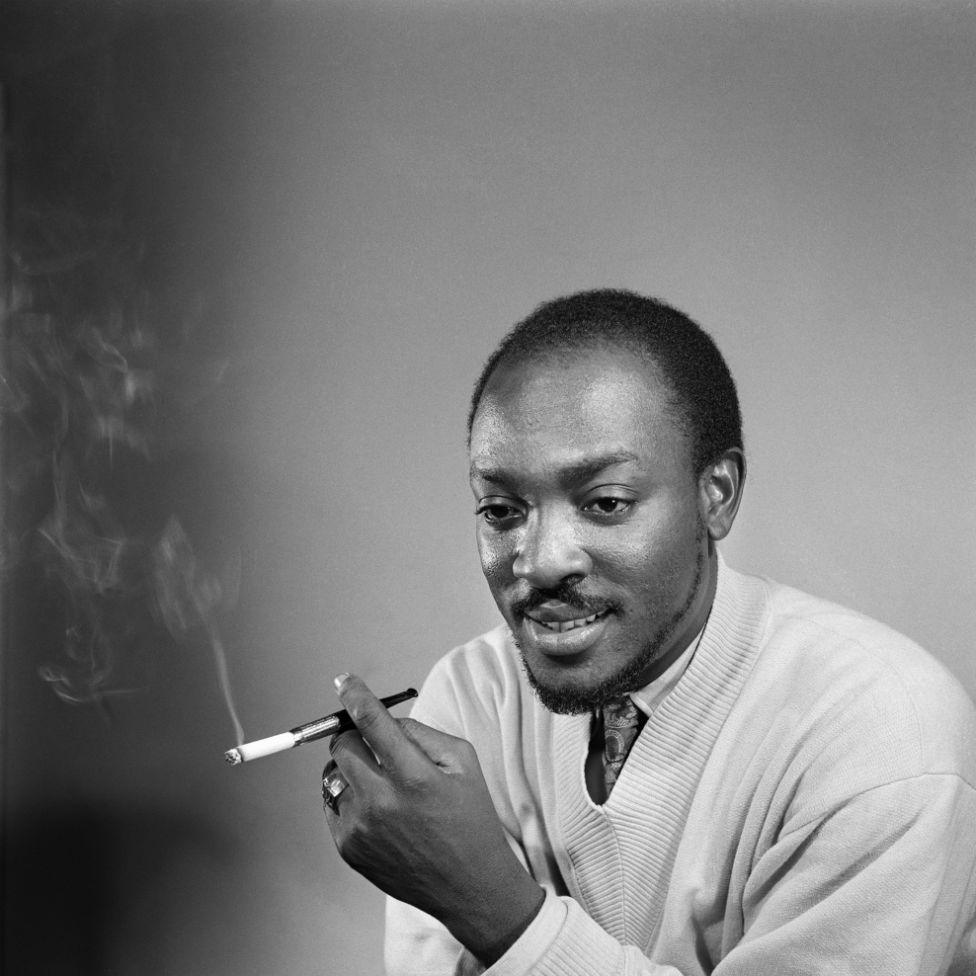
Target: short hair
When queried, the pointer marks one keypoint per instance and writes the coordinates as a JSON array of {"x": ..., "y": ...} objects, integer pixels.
[{"x": 704, "y": 398}]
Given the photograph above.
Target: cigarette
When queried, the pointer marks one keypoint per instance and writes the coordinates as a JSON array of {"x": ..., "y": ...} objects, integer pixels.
[{"x": 330, "y": 725}]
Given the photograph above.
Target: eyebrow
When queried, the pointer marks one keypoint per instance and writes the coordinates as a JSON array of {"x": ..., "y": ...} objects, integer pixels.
[{"x": 578, "y": 471}]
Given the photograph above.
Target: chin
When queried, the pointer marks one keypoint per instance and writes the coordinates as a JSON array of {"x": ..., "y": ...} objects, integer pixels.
[
  {"x": 580, "y": 691},
  {"x": 578, "y": 694},
  {"x": 564, "y": 701}
]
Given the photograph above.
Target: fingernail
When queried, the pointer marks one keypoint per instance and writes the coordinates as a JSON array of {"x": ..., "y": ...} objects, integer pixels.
[{"x": 340, "y": 680}]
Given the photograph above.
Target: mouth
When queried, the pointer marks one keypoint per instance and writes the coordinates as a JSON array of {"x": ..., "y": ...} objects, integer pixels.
[
  {"x": 555, "y": 637},
  {"x": 561, "y": 626}
]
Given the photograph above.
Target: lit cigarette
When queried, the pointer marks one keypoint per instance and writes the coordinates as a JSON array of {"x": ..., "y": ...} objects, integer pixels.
[{"x": 309, "y": 732}]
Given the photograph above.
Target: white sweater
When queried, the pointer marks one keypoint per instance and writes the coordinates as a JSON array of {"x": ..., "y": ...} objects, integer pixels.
[{"x": 803, "y": 802}]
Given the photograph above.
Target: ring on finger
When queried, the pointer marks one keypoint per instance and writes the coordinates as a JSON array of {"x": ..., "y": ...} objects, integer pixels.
[{"x": 332, "y": 787}]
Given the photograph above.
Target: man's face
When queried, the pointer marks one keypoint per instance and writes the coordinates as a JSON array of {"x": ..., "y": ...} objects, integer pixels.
[{"x": 590, "y": 523}]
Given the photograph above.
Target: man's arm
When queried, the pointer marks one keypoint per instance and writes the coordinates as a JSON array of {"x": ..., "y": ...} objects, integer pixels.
[{"x": 882, "y": 884}]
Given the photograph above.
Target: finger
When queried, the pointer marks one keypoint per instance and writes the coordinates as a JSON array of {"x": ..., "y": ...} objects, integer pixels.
[
  {"x": 395, "y": 752},
  {"x": 447, "y": 751},
  {"x": 353, "y": 757}
]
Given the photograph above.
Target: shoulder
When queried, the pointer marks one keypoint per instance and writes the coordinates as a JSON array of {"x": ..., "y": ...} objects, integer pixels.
[
  {"x": 840, "y": 648},
  {"x": 858, "y": 686}
]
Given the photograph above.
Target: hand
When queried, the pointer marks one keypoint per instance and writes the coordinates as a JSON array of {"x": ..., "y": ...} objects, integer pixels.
[{"x": 417, "y": 821}]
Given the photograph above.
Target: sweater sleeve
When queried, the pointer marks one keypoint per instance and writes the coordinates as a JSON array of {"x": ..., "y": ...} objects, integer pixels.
[
  {"x": 418, "y": 945},
  {"x": 884, "y": 885}
]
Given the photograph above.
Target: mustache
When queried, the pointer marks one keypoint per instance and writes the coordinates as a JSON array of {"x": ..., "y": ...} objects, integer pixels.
[{"x": 569, "y": 593}]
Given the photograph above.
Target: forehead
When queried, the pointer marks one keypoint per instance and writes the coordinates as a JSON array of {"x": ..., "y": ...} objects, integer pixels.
[{"x": 567, "y": 408}]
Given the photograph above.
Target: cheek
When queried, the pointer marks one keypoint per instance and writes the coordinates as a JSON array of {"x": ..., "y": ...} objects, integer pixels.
[
  {"x": 653, "y": 558},
  {"x": 495, "y": 556}
]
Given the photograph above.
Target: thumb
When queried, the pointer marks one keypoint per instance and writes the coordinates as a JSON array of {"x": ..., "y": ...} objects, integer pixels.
[{"x": 446, "y": 751}]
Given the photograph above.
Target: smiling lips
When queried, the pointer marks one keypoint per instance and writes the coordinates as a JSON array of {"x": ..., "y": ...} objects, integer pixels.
[
  {"x": 553, "y": 633},
  {"x": 560, "y": 626}
]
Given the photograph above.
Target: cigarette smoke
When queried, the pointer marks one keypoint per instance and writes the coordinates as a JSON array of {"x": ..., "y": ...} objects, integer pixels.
[
  {"x": 187, "y": 597},
  {"x": 95, "y": 380}
]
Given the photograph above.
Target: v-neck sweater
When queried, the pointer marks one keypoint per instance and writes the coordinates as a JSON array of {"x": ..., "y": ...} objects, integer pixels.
[{"x": 803, "y": 801}]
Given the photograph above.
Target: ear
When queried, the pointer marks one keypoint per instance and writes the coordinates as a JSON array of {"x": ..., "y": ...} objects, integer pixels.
[{"x": 720, "y": 491}]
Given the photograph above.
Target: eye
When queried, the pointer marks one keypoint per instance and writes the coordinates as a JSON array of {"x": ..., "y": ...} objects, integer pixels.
[
  {"x": 497, "y": 513},
  {"x": 608, "y": 506}
]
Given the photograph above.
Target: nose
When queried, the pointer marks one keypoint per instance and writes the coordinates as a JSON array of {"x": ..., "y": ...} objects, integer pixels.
[{"x": 549, "y": 552}]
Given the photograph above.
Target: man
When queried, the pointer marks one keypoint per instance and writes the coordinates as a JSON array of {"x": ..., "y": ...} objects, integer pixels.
[{"x": 658, "y": 765}]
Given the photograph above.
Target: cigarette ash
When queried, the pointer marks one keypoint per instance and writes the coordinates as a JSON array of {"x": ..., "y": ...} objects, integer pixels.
[{"x": 94, "y": 387}]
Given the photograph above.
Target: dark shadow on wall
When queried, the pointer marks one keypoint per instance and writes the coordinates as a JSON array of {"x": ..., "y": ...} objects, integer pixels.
[
  {"x": 81, "y": 882},
  {"x": 115, "y": 328}
]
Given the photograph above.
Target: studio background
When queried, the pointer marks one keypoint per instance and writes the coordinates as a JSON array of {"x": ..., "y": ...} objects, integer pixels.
[{"x": 351, "y": 203}]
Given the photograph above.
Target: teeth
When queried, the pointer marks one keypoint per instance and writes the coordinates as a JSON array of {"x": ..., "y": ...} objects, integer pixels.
[{"x": 563, "y": 625}]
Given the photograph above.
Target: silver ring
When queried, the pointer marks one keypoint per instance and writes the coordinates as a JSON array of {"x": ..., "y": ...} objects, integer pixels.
[{"x": 332, "y": 787}]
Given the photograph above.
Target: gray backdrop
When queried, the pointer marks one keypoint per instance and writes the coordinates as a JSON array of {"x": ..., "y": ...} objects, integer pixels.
[{"x": 358, "y": 199}]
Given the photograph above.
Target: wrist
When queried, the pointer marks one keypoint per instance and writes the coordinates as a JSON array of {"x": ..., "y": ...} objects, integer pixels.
[{"x": 489, "y": 932}]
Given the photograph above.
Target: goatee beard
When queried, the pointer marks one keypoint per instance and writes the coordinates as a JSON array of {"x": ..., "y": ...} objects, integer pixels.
[{"x": 576, "y": 700}]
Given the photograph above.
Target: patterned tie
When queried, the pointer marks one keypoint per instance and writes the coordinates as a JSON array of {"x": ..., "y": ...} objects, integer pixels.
[{"x": 621, "y": 724}]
